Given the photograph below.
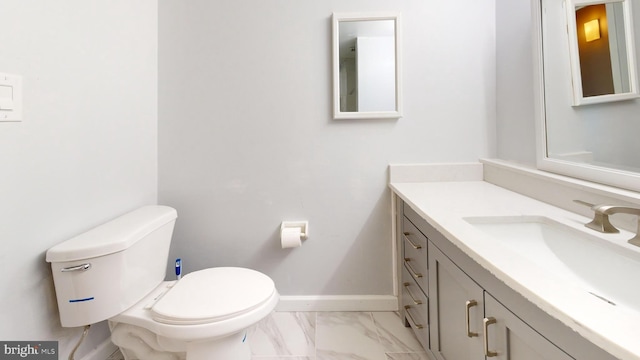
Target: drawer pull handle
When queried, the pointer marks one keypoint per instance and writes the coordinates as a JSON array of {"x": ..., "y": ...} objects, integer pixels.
[
  {"x": 469, "y": 304},
  {"x": 414, "y": 245},
  {"x": 415, "y": 274},
  {"x": 406, "y": 308},
  {"x": 415, "y": 301},
  {"x": 486, "y": 322}
]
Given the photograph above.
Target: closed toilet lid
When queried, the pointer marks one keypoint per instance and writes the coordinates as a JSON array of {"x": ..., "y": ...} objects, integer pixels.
[{"x": 213, "y": 295}]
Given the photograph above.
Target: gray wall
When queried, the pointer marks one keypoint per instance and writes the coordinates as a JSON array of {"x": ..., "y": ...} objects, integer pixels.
[
  {"x": 246, "y": 138},
  {"x": 86, "y": 150}
]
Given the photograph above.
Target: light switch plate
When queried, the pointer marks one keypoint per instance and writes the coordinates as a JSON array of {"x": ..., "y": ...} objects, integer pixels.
[{"x": 10, "y": 97}]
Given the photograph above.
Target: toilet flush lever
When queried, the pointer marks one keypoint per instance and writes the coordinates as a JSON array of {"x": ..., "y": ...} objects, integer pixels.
[{"x": 82, "y": 267}]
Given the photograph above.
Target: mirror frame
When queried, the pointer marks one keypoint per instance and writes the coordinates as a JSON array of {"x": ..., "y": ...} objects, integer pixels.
[
  {"x": 343, "y": 17},
  {"x": 578, "y": 96},
  {"x": 608, "y": 176}
]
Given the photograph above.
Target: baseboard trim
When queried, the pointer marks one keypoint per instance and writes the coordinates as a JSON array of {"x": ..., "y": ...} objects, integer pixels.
[
  {"x": 338, "y": 303},
  {"x": 103, "y": 351}
]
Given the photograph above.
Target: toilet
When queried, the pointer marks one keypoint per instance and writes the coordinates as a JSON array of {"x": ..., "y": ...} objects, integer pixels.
[{"x": 116, "y": 272}]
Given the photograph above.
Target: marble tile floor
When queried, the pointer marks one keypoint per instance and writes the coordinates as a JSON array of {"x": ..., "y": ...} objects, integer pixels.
[{"x": 331, "y": 336}]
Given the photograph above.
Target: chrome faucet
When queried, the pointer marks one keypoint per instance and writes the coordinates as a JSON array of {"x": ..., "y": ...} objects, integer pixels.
[{"x": 601, "y": 221}]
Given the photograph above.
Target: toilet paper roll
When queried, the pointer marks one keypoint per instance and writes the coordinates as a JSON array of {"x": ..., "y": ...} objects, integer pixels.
[{"x": 290, "y": 238}]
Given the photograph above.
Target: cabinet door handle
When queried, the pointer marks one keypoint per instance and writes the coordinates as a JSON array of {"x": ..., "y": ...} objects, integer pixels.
[
  {"x": 469, "y": 304},
  {"x": 414, "y": 245},
  {"x": 415, "y": 301},
  {"x": 414, "y": 273},
  {"x": 406, "y": 308},
  {"x": 486, "y": 322}
]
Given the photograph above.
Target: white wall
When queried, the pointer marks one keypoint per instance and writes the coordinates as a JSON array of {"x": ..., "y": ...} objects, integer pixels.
[
  {"x": 246, "y": 138},
  {"x": 516, "y": 137},
  {"x": 86, "y": 150}
]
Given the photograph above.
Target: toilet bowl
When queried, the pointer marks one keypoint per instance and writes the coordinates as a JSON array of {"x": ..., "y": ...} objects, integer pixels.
[
  {"x": 116, "y": 272},
  {"x": 209, "y": 308}
]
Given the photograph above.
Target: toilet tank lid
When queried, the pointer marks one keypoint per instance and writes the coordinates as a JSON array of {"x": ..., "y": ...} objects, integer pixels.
[{"x": 113, "y": 236}]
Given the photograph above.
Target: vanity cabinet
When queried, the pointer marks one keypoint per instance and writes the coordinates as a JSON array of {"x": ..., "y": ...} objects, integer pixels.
[
  {"x": 456, "y": 309},
  {"x": 415, "y": 280},
  {"x": 470, "y": 314},
  {"x": 508, "y": 337},
  {"x": 464, "y": 316}
]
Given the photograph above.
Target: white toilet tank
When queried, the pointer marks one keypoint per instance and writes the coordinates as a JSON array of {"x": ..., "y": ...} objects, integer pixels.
[{"x": 104, "y": 271}]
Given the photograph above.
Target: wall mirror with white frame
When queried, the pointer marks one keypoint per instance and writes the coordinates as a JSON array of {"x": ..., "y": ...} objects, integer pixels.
[
  {"x": 366, "y": 66},
  {"x": 598, "y": 142},
  {"x": 602, "y": 51}
]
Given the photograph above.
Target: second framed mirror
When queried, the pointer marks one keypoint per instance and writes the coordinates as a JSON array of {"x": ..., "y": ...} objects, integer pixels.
[{"x": 366, "y": 66}]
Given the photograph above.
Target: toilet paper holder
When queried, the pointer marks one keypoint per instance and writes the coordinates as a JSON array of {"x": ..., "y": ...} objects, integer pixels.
[{"x": 302, "y": 225}]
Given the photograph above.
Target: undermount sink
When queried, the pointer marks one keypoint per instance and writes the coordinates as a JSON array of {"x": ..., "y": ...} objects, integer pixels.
[{"x": 604, "y": 269}]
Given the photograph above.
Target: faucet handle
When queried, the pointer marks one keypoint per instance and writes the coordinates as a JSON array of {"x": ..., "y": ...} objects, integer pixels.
[
  {"x": 600, "y": 220},
  {"x": 602, "y": 224}
]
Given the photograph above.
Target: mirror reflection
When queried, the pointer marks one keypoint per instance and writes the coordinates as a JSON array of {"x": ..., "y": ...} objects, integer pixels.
[
  {"x": 366, "y": 75},
  {"x": 598, "y": 142},
  {"x": 602, "y": 50},
  {"x": 367, "y": 65},
  {"x": 602, "y": 53}
]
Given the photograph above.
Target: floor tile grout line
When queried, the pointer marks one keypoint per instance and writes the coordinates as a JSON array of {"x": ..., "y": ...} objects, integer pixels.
[
  {"x": 376, "y": 327},
  {"x": 315, "y": 337}
]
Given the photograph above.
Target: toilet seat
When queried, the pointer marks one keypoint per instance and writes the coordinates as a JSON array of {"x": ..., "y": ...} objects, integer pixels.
[
  {"x": 213, "y": 295},
  {"x": 141, "y": 313}
]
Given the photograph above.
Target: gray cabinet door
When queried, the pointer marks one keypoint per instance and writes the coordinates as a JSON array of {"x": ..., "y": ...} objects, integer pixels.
[
  {"x": 455, "y": 310},
  {"x": 513, "y": 339}
]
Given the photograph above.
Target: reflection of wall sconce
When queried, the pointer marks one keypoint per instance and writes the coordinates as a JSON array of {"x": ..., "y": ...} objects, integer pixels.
[{"x": 592, "y": 30}]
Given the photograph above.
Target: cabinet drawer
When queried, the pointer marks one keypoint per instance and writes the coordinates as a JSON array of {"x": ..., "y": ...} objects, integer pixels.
[
  {"x": 414, "y": 245},
  {"x": 416, "y": 308}
]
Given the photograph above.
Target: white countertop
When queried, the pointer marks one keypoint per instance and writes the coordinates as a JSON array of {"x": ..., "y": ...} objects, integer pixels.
[{"x": 445, "y": 204}]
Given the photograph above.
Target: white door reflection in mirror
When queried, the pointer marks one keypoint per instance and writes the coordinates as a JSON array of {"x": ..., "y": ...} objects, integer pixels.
[{"x": 366, "y": 66}]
